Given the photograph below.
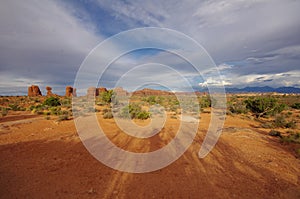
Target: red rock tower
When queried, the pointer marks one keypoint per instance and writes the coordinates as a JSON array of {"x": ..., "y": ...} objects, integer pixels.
[{"x": 34, "y": 91}]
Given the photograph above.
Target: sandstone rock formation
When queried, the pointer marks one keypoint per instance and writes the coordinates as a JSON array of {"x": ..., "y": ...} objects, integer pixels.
[
  {"x": 34, "y": 91},
  {"x": 70, "y": 91},
  {"x": 119, "y": 91},
  {"x": 100, "y": 90},
  {"x": 49, "y": 91},
  {"x": 93, "y": 91}
]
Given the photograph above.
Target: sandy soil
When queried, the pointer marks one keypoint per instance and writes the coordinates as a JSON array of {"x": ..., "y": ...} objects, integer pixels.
[{"x": 45, "y": 159}]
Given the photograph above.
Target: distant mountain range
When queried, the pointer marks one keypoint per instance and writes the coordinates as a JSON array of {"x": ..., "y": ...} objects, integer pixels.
[{"x": 265, "y": 89}]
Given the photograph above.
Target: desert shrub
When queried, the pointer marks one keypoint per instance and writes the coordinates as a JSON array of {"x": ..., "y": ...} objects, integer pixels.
[
  {"x": 54, "y": 110},
  {"x": 107, "y": 96},
  {"x": 134, "y": 111},
  {"x": 291, "y": 124},
  {"x": 63, "y": 117},
  {"x": 66, "y": 103},
  {"x": 275, "y": 133},
  {"x": 31, "y": 107},
  {"x": 174, "y": 108},
  {"x": 267, "y": 125},
  {"x": 296, "y": 105},
  {"x": 262, "y": 106},
  {"x": 292, "y": 138},
  {"x": 143, "y": 115},
  {"x": 52, "y": 101},
  {"x": 297, "y": 152},
  {"x": 151, "y": 100},
  {"x": 238, "y": 107},
  {"x": 4, "y": 111},
  {"x": 14, "y": 107},
  {"x": 279, "y": 121},
  {"x": 108, "y": 115},
  {"x": 47, "y": 113},
  {"x": 205, "y": 102}
]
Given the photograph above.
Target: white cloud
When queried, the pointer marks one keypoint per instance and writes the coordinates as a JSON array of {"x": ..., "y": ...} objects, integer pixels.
[
  {"x": 214, "y": 83},
  {"x": 290, "y": 78},
  {"x": 42, "y": 40}
]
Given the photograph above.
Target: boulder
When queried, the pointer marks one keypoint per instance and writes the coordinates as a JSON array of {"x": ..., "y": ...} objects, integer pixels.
[
  {"x": 34, "y": 91},
  {"x": 70, "y": 91},
  {"x": 49, "y": 91}
]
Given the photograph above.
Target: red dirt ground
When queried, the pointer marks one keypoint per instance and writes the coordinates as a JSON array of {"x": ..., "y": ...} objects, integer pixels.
[{"x": 45, "y": 159}]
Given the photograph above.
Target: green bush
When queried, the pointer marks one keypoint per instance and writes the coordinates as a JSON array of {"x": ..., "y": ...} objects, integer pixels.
[
  {"x": 55, "y": 110},
  {"x": 107, "y": 96},
  {"x": 66, "y": 102},
  {"x": 63, "y": 117},
  {"x": 275, "y": 133},
  {"x": 238, "y": 107},
  {"x": 296, "y": 105},
  {"x": 205, "y": 102},
  {"x": 291, "y": 124},
  {"x": 52, "y": 101},
  {"x": 134, "y": 111},
  {"x": 143, "y": 115},
  {"x": 4, "y": 111},
  {"x": 280, "y": 121},
  {"x": 293, "y": 138},
  {"x": 262, "y": 106},
  {"x": 14, "y": 107}
]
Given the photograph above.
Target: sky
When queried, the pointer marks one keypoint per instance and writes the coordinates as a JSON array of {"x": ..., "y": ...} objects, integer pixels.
[{"x": 252, "y": 42}]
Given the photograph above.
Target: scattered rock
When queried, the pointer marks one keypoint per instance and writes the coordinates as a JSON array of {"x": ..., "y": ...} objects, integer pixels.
[
  {"x": 91, "y": 191},
  {"x": 34, "y": 91}
]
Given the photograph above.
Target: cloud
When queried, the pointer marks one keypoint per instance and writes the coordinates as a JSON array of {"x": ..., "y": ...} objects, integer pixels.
[
  {"x": 250, "y": 41},
  {"x": 290, "y": 78},
  {"x": 229, "y": 30},
  {"x": 41, "y": 40}
]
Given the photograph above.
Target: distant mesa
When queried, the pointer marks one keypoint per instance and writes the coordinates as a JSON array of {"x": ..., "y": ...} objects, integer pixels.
[
  {"x": 119, "y": 91},
  {"x": 70, "y": 91},
  {"x": 148, "y": 91},
  {"x": 93, "y": 91},
  {"x": 34, "y": 91}
]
